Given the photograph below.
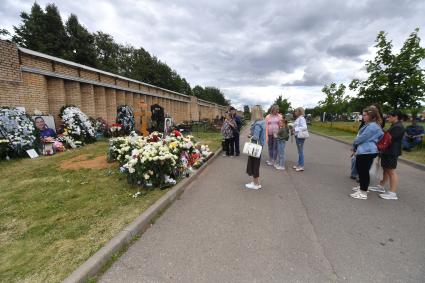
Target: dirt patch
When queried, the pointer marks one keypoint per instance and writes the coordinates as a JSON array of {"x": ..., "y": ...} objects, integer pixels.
[{"x": 83, "y": 162}]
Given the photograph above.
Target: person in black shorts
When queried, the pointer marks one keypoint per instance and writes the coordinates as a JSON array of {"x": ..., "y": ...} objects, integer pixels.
[{"x": 390, "y": 156}]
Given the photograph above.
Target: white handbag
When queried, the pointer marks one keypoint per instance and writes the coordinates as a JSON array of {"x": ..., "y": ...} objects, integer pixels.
[
  {"x": 303, "y": 134},
  {"x": 252, "y": 149}
]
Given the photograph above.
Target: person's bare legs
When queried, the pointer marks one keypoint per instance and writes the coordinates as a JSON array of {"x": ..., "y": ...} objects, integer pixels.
[
  {"x": 385, "y": 178},
  {"x": 393, "y": 180},
  {"x": 256, "y": 181}
]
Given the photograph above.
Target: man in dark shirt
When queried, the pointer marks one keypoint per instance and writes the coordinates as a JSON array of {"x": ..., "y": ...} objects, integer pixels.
[{"x": 413, "y": 136}]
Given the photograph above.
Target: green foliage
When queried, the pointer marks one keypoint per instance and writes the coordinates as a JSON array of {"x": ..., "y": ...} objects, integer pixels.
[
  {"x": 246, "y": 112},
  {"x": 42, "y": 31},
  {"x": 395, "y": 81},
  {"x": 284, "y": 105},
  {"x": 335, "y": 101},
  {"x": 81, "y": 43},
  {"x": 4, "y": 33},
  {"x": 210, "y": 94}
]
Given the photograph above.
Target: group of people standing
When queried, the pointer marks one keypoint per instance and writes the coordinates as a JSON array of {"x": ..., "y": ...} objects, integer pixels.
[
  {"x": 366, "y": 148},
  {"x": 275, "y": 131},
  {"x": 370, "y": 143}
]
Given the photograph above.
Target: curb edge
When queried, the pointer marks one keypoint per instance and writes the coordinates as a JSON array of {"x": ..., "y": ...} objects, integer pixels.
[{"x": 143, "y": 222}]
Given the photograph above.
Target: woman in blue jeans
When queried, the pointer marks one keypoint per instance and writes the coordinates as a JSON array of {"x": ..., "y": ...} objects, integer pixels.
[{"x": 300, "y": 125}]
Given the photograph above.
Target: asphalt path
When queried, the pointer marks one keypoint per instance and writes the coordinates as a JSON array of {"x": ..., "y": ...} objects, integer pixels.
[{"x": 300, "y": 227}]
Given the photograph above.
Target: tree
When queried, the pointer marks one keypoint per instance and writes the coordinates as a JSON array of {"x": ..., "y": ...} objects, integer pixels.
[
  {"x": 335, "y": 100},
  {"x": 43, "y": 31},
  {"x": 106, "y": 52},
  {"x": 283, "y": 103},
  {"x": 81, "y": 43},
  {"x": 246, "y": 112},
  {"x": 30, "y": 33},
  {"x": 4, "y": 33},
  {"x": 395, "y": 81}
]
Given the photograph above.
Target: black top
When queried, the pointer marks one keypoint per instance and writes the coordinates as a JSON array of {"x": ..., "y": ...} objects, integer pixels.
[{"x": 397, "y": 132}]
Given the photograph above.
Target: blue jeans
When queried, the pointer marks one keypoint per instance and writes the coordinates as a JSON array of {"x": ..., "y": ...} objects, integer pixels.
[
  {"x": 281, "y": 152},
  {"x": 272, "y": 143},
  {"x": 300, "y": 147}
]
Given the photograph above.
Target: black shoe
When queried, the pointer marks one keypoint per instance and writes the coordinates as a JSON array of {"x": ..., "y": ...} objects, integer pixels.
[{"x": 237, "y": 154}]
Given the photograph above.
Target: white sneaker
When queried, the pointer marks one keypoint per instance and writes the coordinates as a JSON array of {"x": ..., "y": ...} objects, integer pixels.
[
  {"x": 279, "y": 167},
  {"x": 357, "y": 188},
  {"x": 294, "y": 167},
  {"x": 389, "y": 195},
  {"x": 378, "y": 189},
  {"x": 359, "y": 195},
  {"x": 251, "y": 185},
  {"x": 299, "y": 169},
  {"x": 269, "y": 163}
]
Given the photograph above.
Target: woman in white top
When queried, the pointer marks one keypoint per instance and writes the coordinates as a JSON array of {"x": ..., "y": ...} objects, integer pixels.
[{"x": 300, "y": 126}]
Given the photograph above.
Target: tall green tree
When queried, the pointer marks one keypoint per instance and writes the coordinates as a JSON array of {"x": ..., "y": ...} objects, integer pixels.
[
  {"x": 107, "y": 52},
  {"x": 80, "y": 43},
  {"x": 4, "y": 33},
  {"x": 395, "y": 81},
  {"x": 283, "y": 103},
  {"x": 335, "y": 99},
  {"x": 43, "y": 31},
  {"x": 246, "y": 112},
  {"x": 29, "y": 33}
]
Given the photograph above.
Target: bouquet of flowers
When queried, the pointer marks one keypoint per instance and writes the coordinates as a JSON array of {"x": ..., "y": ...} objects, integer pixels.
[
  {"x": 18, "y": 129},
  {"x": 101, "y": 127},
  {"x": 157, "y": 160},
  {"x": 115, "y": 130},
  {"x": 77, "y": 125},
  {"x": 125, "y": 117}
]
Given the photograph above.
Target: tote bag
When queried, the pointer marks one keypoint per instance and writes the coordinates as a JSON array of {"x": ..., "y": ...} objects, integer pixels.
[
  {"x": 303, "y": 134},
  {"x": 252, "y": 149}
]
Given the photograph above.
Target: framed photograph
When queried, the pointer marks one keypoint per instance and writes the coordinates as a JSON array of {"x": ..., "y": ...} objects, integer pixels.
[
  {"x": 168, "y": 123},
  {"x": 49, "y": 121},
  {"x": 46, "y": 125}
]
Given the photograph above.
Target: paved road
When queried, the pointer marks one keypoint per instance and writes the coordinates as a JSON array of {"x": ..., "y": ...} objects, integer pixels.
[{"x": 301, "y": 227}]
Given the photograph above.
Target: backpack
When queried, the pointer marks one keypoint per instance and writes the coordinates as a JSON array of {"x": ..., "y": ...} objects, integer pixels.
[{"x": 385, "y": 142}]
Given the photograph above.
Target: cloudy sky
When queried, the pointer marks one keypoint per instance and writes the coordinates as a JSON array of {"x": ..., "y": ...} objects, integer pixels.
[{"x": 252, "y": 50}]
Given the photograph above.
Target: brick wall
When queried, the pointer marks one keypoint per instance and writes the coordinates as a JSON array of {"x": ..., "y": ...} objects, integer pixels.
[
  {"x": 56, "y": 97},
  {"x": 73, "y": 93},
  {"x": 87, "y": 99},
  {"x": 111, "y": 105},
  {"x": 9, "y": 62},
  {"x": 100, "y": 102},
  {"x": 38, "y": 81}
]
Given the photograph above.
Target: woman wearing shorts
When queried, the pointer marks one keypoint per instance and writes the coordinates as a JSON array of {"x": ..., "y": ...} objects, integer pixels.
[{"x": 390, "y": 155}]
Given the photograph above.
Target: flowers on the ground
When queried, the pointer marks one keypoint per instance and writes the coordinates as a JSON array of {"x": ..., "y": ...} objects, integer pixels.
[
  {"x": 77, "y": 125},
  {"x": 101, "y": 127},
  {"x": 115, "y": 130},
  {"x": 157, "y": 160},
  {"x": 125, "y": 117},
  {"x": 17, "y": 128}
]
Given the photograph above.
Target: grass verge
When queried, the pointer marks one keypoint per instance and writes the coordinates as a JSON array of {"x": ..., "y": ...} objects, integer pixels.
[
  {"x": 346, "y": 131},
  {"x": 52, "y": 220}
]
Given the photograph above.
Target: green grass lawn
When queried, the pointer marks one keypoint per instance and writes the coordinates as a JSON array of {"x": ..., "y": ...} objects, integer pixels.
[
  {"x": 52, "y": 220},
  {"x": 213, "y": 139},
  {"x": 346, "y": 131}
]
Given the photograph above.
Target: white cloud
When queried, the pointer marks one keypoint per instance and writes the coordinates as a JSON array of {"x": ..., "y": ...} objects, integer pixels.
[{"x": 249, "y": 49}]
